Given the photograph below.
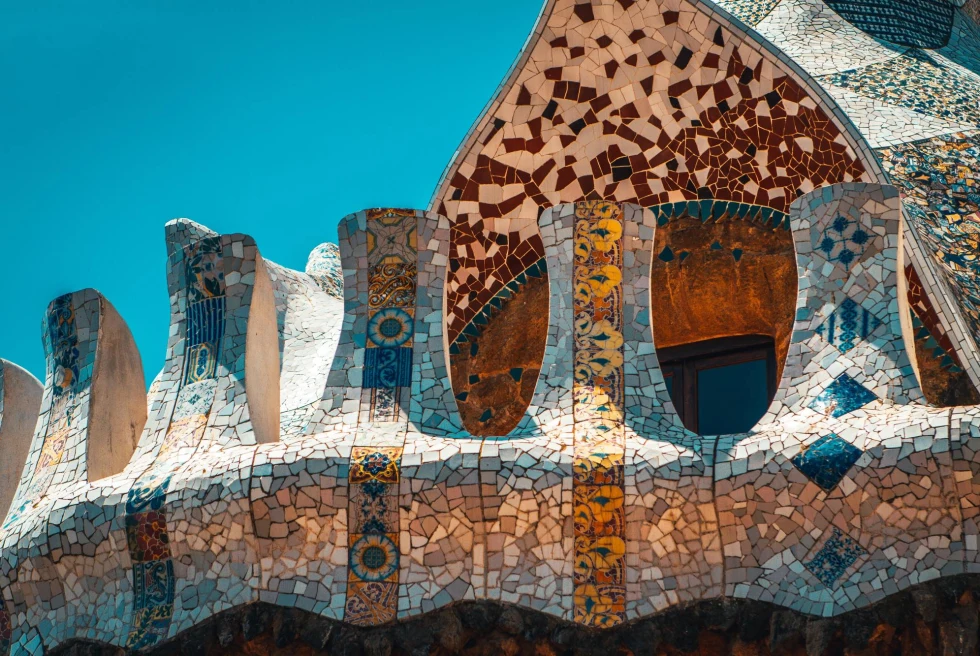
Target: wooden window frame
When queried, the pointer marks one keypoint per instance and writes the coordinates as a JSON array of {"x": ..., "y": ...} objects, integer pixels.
[{"x": 682, "y": 363}]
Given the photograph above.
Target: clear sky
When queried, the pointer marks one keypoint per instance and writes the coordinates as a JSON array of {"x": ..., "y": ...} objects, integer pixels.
[{"x": 274, "y": 119}]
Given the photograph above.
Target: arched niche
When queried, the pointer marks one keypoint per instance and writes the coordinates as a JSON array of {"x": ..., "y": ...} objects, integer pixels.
[{"x": 723, "y": 295}]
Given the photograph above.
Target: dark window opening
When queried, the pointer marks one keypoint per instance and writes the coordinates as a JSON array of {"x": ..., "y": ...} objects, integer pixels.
[{"x": 721, "y": 386}]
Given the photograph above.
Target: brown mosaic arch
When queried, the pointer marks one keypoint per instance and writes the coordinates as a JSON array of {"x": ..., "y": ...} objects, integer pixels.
[{"x": 642, "y": 101}]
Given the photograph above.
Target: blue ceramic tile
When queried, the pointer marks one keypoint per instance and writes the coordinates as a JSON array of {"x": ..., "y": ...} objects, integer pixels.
[
  {"x": 390, "y": 327},
  {"x": 842, "y": 396},
  {"x": 147, "y": 495},
  {"x": 844, "y": 241},
  {"x": 153, "y": 584},
  {"x": 150, "y": 626},
  {"x": 916, "y": 23},
  {"x": 827, "y": 460},
  {"x": 205, "y": 321}
]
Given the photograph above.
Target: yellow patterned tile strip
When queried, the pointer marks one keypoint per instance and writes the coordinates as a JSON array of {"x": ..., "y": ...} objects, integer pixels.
[{"x": 599, "y": 447}]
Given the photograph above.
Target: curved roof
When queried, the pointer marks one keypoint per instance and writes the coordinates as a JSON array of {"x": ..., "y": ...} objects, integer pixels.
[
  {"x": 906, "y": 74},
  {"x": 651, "y": 103}
]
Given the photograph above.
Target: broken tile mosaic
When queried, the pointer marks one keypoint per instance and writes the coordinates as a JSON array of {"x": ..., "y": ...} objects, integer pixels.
[{"x": 303, "y": 445}]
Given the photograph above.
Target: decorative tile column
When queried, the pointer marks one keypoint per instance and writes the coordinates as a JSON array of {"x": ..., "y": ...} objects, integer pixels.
[
  {"x": 394, "y": 332},
  {"x": 599, "y": 413},
  {"x": 848, "y": 479},
  {"x": 203, "y": 430},
  {"x": 70, "y": 336},
  {"x": 847, "y": 349},
  {"x": 198, "y": 303}
]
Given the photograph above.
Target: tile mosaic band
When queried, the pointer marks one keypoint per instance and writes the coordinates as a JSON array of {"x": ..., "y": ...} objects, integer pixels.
[
  {"x": 372, "y": 575},
  {"x": 392, "y": 280},
  {"x": 373, "y": 535},
  {"x": 67, "y": 375},
  {"x": 598, "y": 397},
  {"x": 147, "y": 537}
]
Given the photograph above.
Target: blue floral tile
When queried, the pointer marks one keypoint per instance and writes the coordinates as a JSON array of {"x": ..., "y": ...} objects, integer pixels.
[
  {"x": 195, "y": 399},
  {"x": 844, "y": 241},
  {"x": 827, "y": 460},
  {"x": 373, "y": 557},
  {"x": 390, "y": 327},
  {"x": 838, "y": 553},
  {"x": 842, "y": 396}
]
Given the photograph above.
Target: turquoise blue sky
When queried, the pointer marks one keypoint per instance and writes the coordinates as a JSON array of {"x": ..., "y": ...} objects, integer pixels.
[{"x": 274, "y": 119}]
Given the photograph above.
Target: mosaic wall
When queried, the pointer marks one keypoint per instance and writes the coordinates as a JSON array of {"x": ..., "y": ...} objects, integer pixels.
[
  {"x": 846, "y": 237},
  {"x": 750, "y": 12},
  {"x": 153, "y": 574},
  {"x": 599, "y": 508},
  {"x": 70, "y": 335},
  {"x": 905, "y": 73},
  {"x": 670, "y": 104},
  {"x": 944, "y": 208},
  {"x": 369, "y": 503},
  {"x": 855, "y": 494}
]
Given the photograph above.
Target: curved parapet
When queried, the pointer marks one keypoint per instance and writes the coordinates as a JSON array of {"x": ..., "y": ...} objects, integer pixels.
[
  {"x": 93, "y": 407},
  {"x": 391, "y": 370},
  {"x": 848, "y": 478},
  {"x": 220, "y": 397},
  {"x": 600, "y": 509},
  {"x": 310, "y": 314},
  {"x": 847, "y": 349},
  {"x": 917, "y": 108},
  {"x": 20, "y": 404},
  {"x": 651, "y": 103},
  {"x": 303, "y": 446},
  {"x": 310, "y": 322},
  {"x": 92, "y": 412},
  {"x": 224, "y": 326},
  {"x": 118, "y": 407}
]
